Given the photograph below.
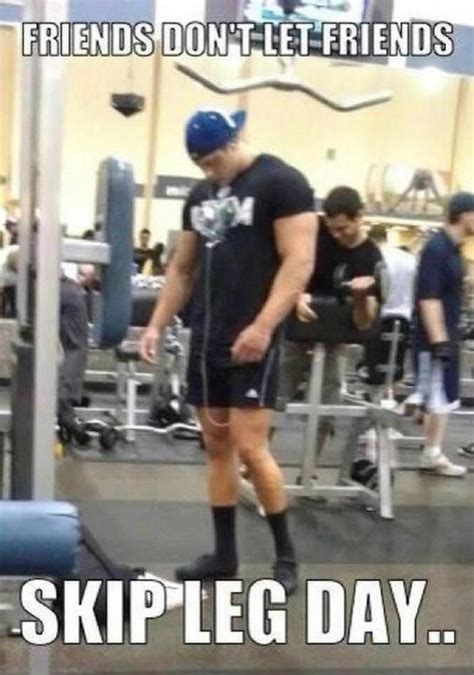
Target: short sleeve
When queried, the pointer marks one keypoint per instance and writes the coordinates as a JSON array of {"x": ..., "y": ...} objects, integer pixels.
[
  {"x": 370, "y": 261},
  {"x": 289, "y": 194},
  {"x": 430, "y": 274},
  {"x": 186, "y": 216},
  {"x": 194, "y": 198}
]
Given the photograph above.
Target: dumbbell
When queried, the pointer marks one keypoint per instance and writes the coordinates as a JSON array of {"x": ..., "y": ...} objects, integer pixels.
[
  {"x": 73, "y": 429},
  {"x": 342, "y": 283},
  {"x": 107, "y": 434}
]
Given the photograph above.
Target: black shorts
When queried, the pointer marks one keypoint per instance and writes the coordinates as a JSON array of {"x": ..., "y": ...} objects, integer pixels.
[{"x": 217, "y": 384}]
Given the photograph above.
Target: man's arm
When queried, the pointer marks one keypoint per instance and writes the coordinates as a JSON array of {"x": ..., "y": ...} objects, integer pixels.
[
  {"x": 180, "y": 278},
  {"x": 296, "y": 244},
  {"x": 366, "y": 307},
  {"x": 177, "y": 290},
  {"x": 430, "y": 287},
  {"x": 432, "y": 316}
]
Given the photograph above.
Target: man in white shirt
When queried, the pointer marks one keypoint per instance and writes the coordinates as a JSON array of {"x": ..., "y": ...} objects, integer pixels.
[{"x": 401, "y": 269}]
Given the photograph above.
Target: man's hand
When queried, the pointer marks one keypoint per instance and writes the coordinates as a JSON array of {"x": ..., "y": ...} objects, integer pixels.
[
  {"x": 148, "y": 345},
  {"x": 360, "y": 286},
  {"x": 304, "y": 312},
  {"x": 251, "y": 344}
]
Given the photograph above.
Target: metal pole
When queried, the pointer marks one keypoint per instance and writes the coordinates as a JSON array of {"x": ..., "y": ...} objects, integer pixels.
[
  {"x": 48, "y": 260},
  {"x": 152, "y": 137},
  {"x": 40, "y": 251},
  {"x": 31, "y": 83},
  {"x": 310, "y": 458}
]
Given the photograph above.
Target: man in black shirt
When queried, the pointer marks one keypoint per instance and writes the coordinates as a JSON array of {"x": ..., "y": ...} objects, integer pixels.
[
  {"x": 341, "y": 241},
  {"x": 143, "y": 252},
  {"x": 438, "y": 304},
  {"x": 246, "y": 252}
]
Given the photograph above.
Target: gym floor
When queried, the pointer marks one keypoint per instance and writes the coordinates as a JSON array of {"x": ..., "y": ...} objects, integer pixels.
[{"x": 155, "y": 515}]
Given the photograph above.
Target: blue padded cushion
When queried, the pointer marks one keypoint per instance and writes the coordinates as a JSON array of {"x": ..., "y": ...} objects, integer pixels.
[
  {"x": 38, "y": 538},
  {"x": 114, "y": 212}
]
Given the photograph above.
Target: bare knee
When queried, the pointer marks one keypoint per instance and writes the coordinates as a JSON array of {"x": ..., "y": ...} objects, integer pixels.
[
  {"x": 218, "y": 444},
  {"x": 252, "y": 454},
  {"x": 249, "y": 431}
]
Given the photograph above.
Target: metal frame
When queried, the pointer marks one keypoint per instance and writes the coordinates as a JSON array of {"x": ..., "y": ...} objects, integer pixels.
[
  {"x": 42, "y": 113},
  {"x": 345, "y": 487},
  {"x": 80, "y": 250}
]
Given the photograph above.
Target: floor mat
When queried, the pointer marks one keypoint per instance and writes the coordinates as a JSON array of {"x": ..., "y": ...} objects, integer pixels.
[{"x": 287, "y": 447}]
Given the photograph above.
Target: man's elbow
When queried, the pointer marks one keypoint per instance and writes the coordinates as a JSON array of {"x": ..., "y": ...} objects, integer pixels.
[
  {"x": 364, "y": 318},
  {"x": 306, "y": 268}
]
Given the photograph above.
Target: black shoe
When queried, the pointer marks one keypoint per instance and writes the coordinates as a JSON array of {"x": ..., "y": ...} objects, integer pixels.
[
  {"x": 285, "y": 571},
  {"x": 467, "y": 450},
  {"x": 206, "y": 568}
]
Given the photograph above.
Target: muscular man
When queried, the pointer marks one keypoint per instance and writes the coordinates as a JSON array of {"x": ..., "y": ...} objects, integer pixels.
[
  {"x": 341, "y": 240},
  {"x": 438, "y": 299},
  {"x": 247, "y": 250}
]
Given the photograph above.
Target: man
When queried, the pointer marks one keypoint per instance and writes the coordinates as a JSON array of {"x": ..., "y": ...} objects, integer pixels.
[
  {"x": 341, "y": 241},
  {"x": 247, "y": 249},
  {"x": 438, "y": 298},
  {"x": 11, "y": 226},
  {"x": 73, "y": 335},
  {"x": 401, "y": 270},
  {"x": 143, "y": 252}
]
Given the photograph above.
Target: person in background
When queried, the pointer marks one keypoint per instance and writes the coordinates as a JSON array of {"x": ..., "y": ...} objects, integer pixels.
[
  {"x": 341, "y": 241},
  {"x": 401, "y": 270},
  {"x": 8, "y": 279},
  {"x": 11, "y": 226},
  {"x": 154, "y": 266},
  {"x": 143, "y": 252},
  {"x": 438, "y": 300}
]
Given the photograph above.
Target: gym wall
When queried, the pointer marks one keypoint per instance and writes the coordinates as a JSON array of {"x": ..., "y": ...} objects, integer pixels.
[
  {"x": 463, "y": 145},
  {"x": 423, "y": 126},
  {"x": 417, "y": 128}
]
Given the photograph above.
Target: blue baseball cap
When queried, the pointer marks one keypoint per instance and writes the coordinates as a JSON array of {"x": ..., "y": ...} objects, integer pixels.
[{"x": 210, "y": 129}]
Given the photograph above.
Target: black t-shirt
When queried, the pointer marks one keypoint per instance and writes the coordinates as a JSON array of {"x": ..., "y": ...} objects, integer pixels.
[
  {"x": 238, "y": 255},
  {"x": 140, "y": 256},
  {"x": 360, "y": 260}
]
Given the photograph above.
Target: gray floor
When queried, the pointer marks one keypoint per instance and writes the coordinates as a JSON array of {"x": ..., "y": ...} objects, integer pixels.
[
  {"x": 155, "y": 515},
  {"x": 288, "y": 445}
]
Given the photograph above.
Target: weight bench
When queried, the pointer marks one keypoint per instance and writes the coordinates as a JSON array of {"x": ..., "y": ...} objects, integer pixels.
[
  {"x": 127, "y": 355},
  {"x": 383, "y": 365},
  {"x": 38, "y": 539},
  {"x": 334, "y": 325}
]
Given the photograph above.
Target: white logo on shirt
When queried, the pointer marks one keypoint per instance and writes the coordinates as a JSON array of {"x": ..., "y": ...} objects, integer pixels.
[
  {"x": 252, "y": 393},
  {"x": 214, "y": 217}
]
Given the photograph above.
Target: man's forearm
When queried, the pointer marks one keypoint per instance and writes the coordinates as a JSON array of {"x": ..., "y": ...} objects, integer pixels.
[
  {"x": 290, "y": 281},
  {"x": 364, "y": 312},
  {"x": 176, "y": 292},
  {"x": 432, "y": 317}
]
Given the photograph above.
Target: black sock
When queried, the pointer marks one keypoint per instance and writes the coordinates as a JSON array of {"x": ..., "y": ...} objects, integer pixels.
[
  {"x": 279, "y": 526},
  {"x": 224, "y": 533}
]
